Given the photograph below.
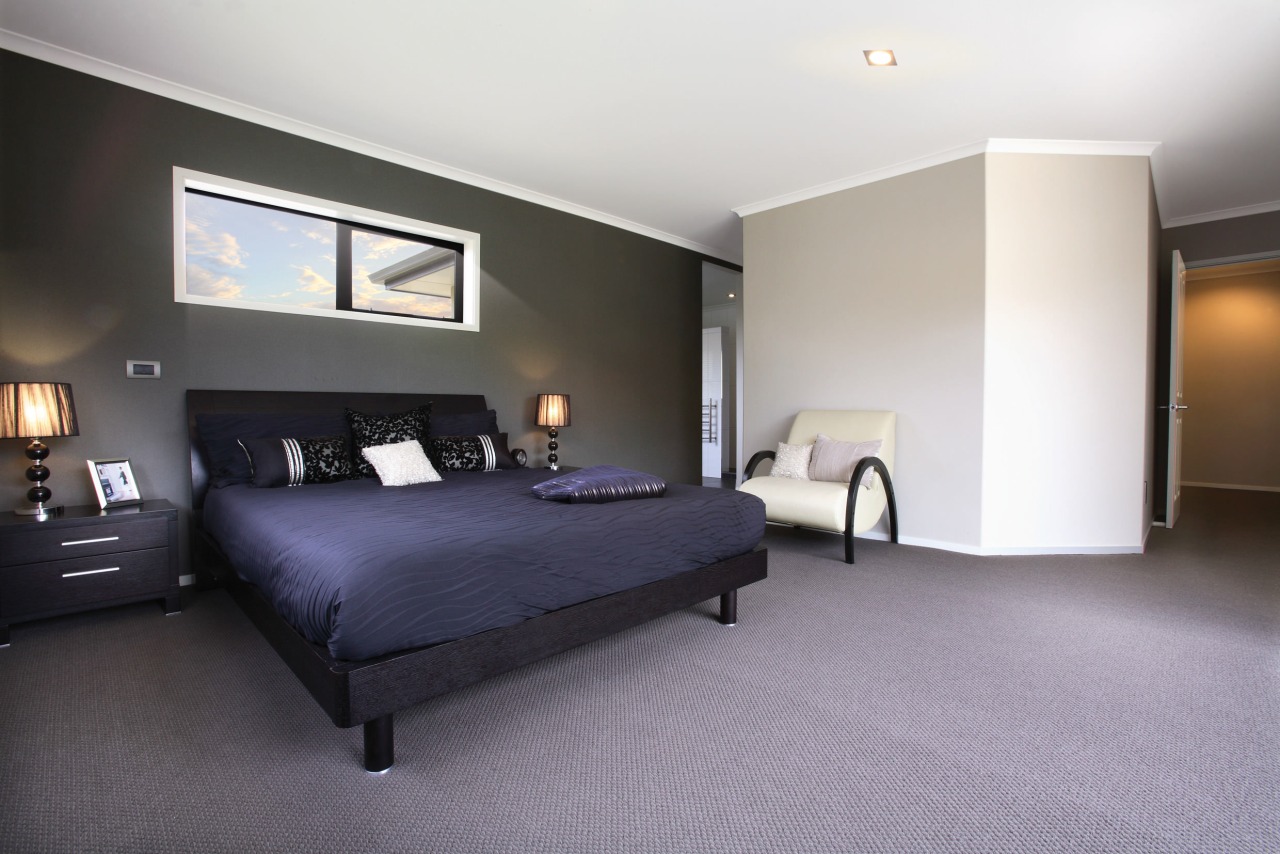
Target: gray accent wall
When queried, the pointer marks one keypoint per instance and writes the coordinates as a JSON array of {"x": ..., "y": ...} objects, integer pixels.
[
  {"x": 86, "y": 281},
  {"x": 1223, "y": 238}
]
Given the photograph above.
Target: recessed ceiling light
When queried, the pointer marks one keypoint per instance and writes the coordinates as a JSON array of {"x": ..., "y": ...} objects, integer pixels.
[
  {"x": 880, "y": 57},
  {"x": 732, "y": 295}
]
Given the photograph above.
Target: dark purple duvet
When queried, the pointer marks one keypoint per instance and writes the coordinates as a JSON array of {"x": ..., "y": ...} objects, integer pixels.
[{"x": 367, "y": 569}]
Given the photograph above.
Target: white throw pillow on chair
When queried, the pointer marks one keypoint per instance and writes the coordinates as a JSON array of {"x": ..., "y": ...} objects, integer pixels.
[{"x": 791, "y": 461}]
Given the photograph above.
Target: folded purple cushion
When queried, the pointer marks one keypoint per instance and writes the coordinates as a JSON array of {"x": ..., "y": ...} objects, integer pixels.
[{"x": 600, "y": 485}]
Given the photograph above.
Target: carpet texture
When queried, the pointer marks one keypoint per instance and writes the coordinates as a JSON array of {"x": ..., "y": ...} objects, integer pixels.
[{"x": 920, "y": 701}]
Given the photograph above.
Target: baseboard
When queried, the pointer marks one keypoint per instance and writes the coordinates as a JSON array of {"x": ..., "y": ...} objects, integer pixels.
[
  {"x": 1248, "y": 488},
  {"x": 994, "y": 551},
  {"x": 1033, "y": 551},
  {"x": 1025, "y": 551}
]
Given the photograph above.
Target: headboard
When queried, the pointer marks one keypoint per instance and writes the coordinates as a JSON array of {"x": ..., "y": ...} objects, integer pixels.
[{"x": 202, "y": 401}]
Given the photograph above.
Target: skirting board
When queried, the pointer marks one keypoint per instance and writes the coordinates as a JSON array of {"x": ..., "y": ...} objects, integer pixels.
[
  {"x": 1233, "y": 486},
  {"x": 998, "y": 551},
  {"x": 1021, "y": 551}
]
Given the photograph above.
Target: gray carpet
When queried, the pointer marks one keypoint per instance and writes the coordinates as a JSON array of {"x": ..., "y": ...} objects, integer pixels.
[{"x": 921, "y": 701}]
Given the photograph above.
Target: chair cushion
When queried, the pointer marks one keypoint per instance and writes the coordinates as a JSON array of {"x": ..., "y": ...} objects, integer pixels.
[
  {"x": 801, "y": 502},
  {"x": 815, "y": 504}
]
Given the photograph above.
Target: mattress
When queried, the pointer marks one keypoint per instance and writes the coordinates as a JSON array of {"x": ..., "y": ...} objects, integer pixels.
[{"x": 366, "y": 569}]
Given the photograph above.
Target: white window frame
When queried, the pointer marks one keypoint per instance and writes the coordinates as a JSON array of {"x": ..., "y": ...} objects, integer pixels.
[{"x": 185, "y": 179}]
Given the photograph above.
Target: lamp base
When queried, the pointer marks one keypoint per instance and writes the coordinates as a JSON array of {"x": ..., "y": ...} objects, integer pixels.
[
  {"x": 553, "y": 446},
  {"x": 40, "y": 510}
]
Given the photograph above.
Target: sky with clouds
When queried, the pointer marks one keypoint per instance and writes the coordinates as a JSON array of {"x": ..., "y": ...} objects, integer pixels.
[{"x": 247, "y": 253}]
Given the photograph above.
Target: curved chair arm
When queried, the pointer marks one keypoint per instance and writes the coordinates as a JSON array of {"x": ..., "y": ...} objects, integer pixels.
[
  {"x": 852, "y": 503},
  {"x": 756, "y": 459}
]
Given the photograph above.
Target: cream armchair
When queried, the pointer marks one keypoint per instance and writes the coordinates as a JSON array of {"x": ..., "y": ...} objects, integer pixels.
[{"x": 791, "y": 495}]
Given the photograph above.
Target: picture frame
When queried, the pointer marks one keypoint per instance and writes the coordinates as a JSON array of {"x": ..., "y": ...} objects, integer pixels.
[{"x": 114, "y": 483}]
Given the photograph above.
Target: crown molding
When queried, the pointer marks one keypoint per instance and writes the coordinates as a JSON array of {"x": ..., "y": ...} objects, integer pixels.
[
  {"x": 1217, "y": 268},
  {"x": 988, "y": 146},
  {"x": 1092, "y": 148},
  {"x": 1229, "y": 213},
  {"x": 166, "y": 89},
  {"x": 862, "y": 179}
]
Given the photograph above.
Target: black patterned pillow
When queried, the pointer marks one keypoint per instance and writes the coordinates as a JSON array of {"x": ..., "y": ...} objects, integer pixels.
[
  {"x": 486, "y": 452},
  {"x": 370, "y": 431},
  {"x": 294, "y": 462},
  {"x": 600, "y": 485}
]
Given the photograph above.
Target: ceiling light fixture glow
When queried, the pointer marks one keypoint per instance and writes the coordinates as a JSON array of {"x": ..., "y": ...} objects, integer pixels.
[{"x": 880, "y": 57}]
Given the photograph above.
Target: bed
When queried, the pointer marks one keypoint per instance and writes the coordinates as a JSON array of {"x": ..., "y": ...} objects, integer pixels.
[{"x": 379, "y": 598}]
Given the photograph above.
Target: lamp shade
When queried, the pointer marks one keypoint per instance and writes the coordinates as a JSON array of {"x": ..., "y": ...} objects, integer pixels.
[
  {"x": 553, "y": 410},
  {"x": 37, "y": 410}
]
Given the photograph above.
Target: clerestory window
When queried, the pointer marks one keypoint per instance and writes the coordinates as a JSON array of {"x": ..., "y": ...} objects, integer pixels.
[{"x": 245, "y": 246}]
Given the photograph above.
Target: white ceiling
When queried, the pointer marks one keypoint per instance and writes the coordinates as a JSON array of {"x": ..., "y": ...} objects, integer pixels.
[{"x": 665, "y": 116}]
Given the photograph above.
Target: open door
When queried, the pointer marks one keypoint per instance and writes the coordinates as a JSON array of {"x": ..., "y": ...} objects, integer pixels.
[
  {"x": 1176, "y": 406},
  {"x": 712, "y": 402}
]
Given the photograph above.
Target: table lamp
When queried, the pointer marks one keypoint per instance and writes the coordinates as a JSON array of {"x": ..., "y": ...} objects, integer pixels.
[
  {"x": 35, "y": 411},
  {"x": 553, "y": 412}
]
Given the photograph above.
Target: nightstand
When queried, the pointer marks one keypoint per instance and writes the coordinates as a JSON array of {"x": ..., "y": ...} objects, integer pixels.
[{"x": 85, "y": 558}]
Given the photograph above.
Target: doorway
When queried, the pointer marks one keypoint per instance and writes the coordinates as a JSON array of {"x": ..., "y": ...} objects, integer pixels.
[
  {"x": 712, "y": 403},
  {"x": 1232, "y": 376},
  {"x": 722, "y": 311},
  {"x": 1232, "y": 363}
]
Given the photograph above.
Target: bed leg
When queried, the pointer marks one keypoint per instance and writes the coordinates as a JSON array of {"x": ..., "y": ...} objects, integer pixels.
[
  {"x": 379, "y": 745},
  {"x": 729, "y": 608}
]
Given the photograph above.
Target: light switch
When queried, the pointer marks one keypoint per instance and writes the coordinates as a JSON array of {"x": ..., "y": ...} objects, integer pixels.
[{"x": 140, "y": 370}]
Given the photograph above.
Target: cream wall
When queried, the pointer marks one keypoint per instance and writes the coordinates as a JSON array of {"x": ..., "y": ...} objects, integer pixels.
[
  {"x": 1231, "y": 376},
  {"x": 1002, "y": 305},
  {"x": 1070, "y": 282},
  {"x": 872, "y": 298}
]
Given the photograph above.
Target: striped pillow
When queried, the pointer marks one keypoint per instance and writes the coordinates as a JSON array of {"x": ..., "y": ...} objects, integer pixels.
[
  {"x": 294, "y": 462},
  {"x": 487, "y": 452},
  {"x": 600, "y": 485}
]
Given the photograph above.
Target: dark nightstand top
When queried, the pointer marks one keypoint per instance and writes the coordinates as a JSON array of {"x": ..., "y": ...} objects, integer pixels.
[{"x": 79, "y": 514}]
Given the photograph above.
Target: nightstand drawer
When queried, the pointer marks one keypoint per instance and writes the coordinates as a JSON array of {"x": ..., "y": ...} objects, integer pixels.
[
  {"x": 20, "y": 546},
  {"x": 63, "y": 584}
]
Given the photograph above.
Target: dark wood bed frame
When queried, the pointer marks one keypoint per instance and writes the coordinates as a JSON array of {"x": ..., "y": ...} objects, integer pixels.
[{"x": 370, "y": 692}]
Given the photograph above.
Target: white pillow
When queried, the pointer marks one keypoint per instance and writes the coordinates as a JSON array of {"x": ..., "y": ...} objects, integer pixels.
[
  {"x": 791, "y": 461},
  {"x": 834, "y": 460},
  {"x": 401, "y": 464}
]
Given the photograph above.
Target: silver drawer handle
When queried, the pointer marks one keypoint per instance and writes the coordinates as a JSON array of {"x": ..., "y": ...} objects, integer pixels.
[
  {"x": 90, "y": 572},
  {"x": 86, "y": 542}
]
